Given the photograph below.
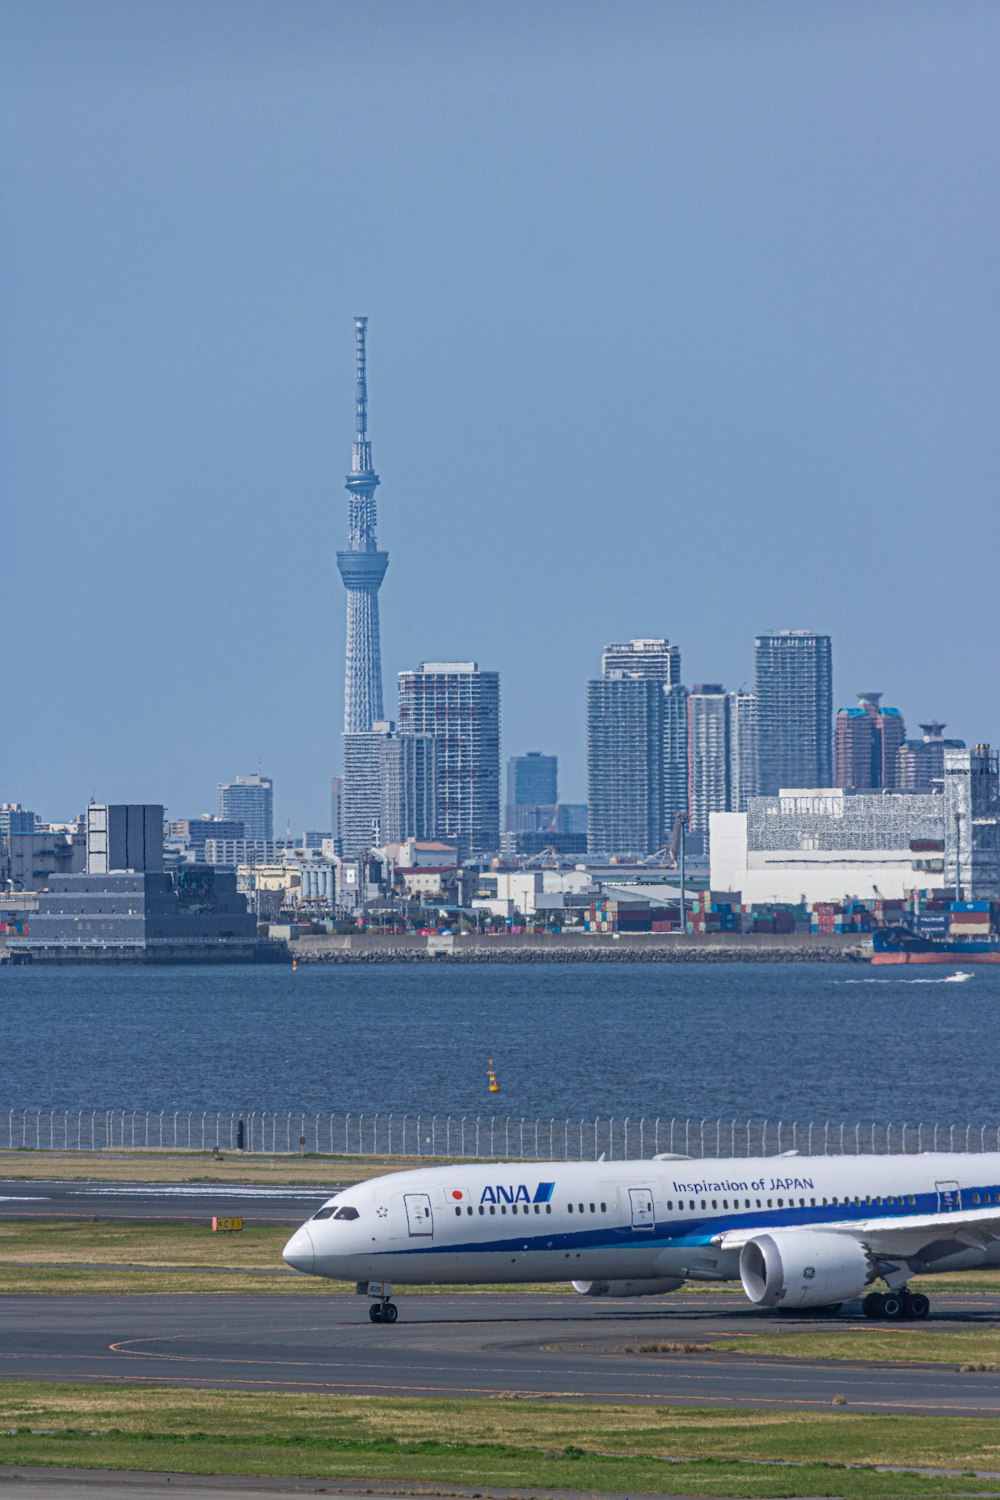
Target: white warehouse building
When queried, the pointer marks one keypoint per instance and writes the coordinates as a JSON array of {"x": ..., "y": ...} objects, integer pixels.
[{"x": 825, "y": 844}]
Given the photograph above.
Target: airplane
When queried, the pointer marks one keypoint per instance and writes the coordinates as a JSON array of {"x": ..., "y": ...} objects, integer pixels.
[{"x": 798, "y": 1232}]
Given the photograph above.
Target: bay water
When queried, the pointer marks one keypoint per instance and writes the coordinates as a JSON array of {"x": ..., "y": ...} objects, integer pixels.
[{"x": 789, "y": 1041}]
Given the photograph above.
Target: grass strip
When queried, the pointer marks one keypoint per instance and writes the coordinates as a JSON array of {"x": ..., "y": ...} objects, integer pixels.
[
  {"x": 529, "y": 1444},
  {"x": 201, "y": 1166},
  {"x": 906, "y": 1343}
]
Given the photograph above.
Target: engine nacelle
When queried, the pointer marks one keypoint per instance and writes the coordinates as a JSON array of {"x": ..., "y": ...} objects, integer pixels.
[
  {"x": 804, "y": 1268},
  {"x": 645, "y": 1288}
]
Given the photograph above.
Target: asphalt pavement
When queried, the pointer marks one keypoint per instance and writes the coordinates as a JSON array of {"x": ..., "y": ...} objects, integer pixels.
[
  {"x": 173, "y": 1201},
  {"x": 476, "y": 1344}
]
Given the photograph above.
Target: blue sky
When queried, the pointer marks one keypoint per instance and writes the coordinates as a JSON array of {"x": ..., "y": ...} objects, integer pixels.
[{"x": 683, "y": 322}]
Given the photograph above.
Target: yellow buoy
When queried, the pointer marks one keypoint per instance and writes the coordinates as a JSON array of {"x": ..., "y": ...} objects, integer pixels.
[
  {"x": 494, "y": 1086},
  {"x": 295, "y": 966}
]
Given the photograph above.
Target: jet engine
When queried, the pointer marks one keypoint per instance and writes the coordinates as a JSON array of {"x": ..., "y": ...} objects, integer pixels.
[
  {"x": 804, "y": 1268},
  {"x": 645, "y": 1288}
]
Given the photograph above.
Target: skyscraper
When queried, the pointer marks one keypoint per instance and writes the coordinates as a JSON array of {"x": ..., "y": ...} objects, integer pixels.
[
  {"x": 249, "y": 800},
  {"x": 362, "y": 567},
  {"x": 532, "y": 791},
  {"x": 390, "y": 788},
  {"x": 459, "y": 706},
  {"x": 866, "y": 745},
  {"x": 708, "y": 725},
  {"x": 794, "y": 688},
  {"x": 920, "y": 763},
  {"x": 744, "y": 775},
  {"x": 637, "y": 751},
  {"x": 643, "y": 657}
]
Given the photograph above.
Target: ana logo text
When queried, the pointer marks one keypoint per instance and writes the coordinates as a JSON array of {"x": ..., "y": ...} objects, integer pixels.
[{"x": 517, "y": 1193}]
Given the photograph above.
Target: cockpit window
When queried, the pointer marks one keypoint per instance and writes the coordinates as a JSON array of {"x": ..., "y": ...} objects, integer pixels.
[
  {"x": 323, "y": 1213},
  {"x": 346, "y": 1213}
]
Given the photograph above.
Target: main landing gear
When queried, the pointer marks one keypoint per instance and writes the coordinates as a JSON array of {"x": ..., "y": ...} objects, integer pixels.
[
  {"x": 898, "y": 1307},
  {"x": 383, "y": 1312}
]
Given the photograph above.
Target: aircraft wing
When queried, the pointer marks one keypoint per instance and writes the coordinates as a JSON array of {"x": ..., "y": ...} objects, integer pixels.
[{"x": 902, "y": 1236}]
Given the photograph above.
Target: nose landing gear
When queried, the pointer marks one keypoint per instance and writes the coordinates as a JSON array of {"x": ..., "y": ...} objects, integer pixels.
[
  {"x": 900, "y": 1306},
  {"x": 383, "y": 1312}
]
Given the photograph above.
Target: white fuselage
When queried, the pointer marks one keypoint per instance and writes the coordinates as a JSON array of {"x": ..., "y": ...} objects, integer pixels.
[{"x": 568, "y": 1221}]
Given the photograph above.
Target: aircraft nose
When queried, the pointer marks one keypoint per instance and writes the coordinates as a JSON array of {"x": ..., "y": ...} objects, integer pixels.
[{"x": 299, "y": 1251}]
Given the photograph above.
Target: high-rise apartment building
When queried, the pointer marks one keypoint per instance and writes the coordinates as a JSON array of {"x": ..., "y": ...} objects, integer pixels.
[
  {"x": 459, "y": 707},
  {"x": 249, "y": 800},
  {"x": 794, "y": 690},
  {"x": 866, "y": 745},
  {"x": 532, "y": 792},
  {"x": 744, "y": 776},
  {"x": 920, "y": 763},
  {"x": 637, "y": 749},
  {"x": 625, "y": 732},
  {"x": 390, "y": 788},
  {"x": 654, "y": 658},
  {"x": 709, "y": 730}
]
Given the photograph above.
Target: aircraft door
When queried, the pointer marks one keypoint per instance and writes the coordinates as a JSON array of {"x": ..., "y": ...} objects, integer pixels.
[
  {"x": 419, "y": 1217},
  {"x": 643, "y": 1215},
  {"x": 949, "y": 1196}
]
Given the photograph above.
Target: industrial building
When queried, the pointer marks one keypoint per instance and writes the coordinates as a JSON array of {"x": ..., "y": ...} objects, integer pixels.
[
  {"x": 125, "y": 908},
  {"x": 972, "y": 823},
  {"x": 794, "y": 688},
  {"x": 824, "y": 844}
]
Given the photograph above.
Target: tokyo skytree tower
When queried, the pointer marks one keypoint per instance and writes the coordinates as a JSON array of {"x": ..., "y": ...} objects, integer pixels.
[{"x": 362, "y": 567}]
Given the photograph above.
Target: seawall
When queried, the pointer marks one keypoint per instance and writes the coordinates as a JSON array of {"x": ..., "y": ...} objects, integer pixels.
[{"x": 527, "y": 948}]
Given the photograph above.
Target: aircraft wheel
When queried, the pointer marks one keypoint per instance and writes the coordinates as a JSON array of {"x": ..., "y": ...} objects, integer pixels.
[
  {"x": 894, "y": 1307},
  {"x": 390, "y": 1312},
  {"x": 920, "y": 1305},
  {"x": 375, "y": 1312},
  {"x": 874, "y": 1306}
]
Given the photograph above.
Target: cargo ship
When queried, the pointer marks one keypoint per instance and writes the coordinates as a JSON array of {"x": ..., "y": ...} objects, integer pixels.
[{"x": 961, "y": 933}]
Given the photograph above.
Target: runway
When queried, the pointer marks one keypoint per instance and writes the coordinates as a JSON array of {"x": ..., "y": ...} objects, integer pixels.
[
  {"x": 174, "y": 1201},
  {"x": 471, "y": 1345}
]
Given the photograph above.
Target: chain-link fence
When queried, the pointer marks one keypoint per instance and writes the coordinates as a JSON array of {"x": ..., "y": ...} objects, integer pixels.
[{"x": 505, "y": 1138}]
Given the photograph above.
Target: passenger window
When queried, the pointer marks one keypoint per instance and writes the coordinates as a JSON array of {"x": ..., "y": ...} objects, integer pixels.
[
  {"x": 538, "y": 1208},
  {"x": 975, "y": 1197},
  {"x": 593, "y": 1210},
  {"x": 493, "y": 1208},
  {"x": 581, "y": 1208},
  {"x": 781, "y": 1202},
  {"x": 548, "y": 1208},
  {"x": 469, "y": 1210},
  {"x": 703, "y": 1203},
  {"x": 570, "y": 1207},
  {"x": 692, "y": 1204},
  {"x": 481, "y": 1210},
  {"x": 503, "y": 1208},
  {"x": 769, "y": 1203},
  {"x": 912, "y": 1199},
  {"x": 812, "y": 1202},
  {"x": 670, "y": 1206},
  {"x": 458, "y": 1212},
  {"x": 758, "y": 1203},
  {"x": 604, "y": 1208},
  {"x": 836, "y": 1201}
]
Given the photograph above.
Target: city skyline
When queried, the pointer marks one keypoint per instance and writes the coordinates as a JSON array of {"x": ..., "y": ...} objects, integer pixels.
[{"x": 760, "y": 280}]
